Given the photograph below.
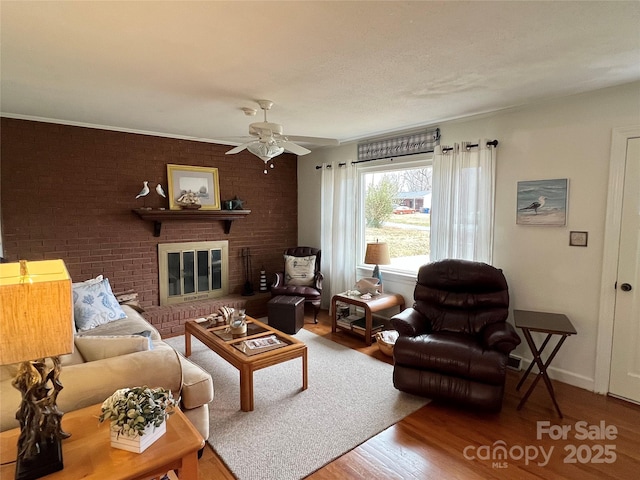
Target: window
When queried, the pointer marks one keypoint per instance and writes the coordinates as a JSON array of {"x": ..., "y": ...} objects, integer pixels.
[{"x": 395, "y": 201}]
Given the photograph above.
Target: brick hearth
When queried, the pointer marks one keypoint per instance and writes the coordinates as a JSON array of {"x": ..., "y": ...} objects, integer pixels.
[{"x": 170, "y": 320}]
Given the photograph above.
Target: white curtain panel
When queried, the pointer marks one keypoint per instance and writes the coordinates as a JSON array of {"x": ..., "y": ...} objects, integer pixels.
[
  {"x": 338, "y": 229},
  {"x": 462, "y": 205}
]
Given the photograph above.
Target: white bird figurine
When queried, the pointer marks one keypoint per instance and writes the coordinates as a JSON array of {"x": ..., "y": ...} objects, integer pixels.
[
  {"x": 145, "y": 190},
  {"x": 160, "y": 191}
]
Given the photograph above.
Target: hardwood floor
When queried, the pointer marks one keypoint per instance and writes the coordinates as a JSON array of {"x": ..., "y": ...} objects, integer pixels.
[{"x": 442, "y": 442}]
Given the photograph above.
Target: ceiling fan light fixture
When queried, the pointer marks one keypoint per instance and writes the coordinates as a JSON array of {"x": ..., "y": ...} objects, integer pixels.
[
  {"x": 267, "y": 139},
  {"x": 265, "y": 151}
]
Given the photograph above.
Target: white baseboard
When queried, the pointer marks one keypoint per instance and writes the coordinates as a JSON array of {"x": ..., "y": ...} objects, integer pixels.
[{"x": 563, "y": 376}]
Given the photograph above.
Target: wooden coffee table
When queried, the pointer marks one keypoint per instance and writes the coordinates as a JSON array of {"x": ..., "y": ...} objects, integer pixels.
[
  {"x": 247, "y": 361},
  {"x": 88, "y": 453}
]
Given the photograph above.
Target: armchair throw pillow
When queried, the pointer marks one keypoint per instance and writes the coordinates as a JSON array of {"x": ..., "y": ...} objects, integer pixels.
[{"x": 299, "y": 270}]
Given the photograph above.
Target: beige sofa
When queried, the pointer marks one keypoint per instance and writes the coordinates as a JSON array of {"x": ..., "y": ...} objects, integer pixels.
[{"x": 124, "y": 353}]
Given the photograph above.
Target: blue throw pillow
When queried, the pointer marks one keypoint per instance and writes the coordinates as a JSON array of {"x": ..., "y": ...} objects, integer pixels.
[{"x": 94, "y": 304}]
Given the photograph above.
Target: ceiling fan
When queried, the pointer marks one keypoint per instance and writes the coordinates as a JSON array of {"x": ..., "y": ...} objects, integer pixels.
[{"x": 268, "y": 140}]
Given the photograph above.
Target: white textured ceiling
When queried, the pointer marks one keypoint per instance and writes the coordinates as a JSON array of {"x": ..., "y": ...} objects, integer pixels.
[{"x": 345, "y": 70}]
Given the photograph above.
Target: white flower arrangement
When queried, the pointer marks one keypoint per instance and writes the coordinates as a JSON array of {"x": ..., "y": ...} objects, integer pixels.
[{"x": 131, "y": 410}]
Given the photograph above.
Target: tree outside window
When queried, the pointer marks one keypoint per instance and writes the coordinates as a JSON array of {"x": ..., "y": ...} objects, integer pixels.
[{"x": 397, "y": 210}]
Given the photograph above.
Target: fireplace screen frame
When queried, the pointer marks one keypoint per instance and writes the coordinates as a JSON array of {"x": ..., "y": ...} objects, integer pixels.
[{"x": 187, "y": 282}]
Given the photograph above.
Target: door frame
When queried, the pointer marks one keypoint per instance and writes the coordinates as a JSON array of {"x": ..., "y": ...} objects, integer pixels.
[{"x": 610, "y": 256}]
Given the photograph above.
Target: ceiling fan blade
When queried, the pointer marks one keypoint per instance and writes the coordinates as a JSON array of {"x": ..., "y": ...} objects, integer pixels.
[
  {"x": 314, "y": 140},
  {"x": 293, "y": 148},
  {"x": 238, "y": 149}
]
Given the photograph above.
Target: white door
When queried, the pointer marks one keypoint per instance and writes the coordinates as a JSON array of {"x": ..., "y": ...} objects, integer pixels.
[{"x": 625, "y": 359}]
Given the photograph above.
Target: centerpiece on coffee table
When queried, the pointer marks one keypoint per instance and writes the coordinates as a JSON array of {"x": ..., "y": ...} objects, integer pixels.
[{"x": 138, "y": 416}]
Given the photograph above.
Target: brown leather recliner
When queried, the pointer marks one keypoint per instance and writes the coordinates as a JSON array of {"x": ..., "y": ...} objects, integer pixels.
[
  {"x": 312, "y": 293},
  {"x": 454, "y": 342}
]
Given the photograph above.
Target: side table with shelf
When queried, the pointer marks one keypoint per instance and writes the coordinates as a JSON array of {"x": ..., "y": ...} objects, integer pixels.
[{"x": 375, "y": 304}]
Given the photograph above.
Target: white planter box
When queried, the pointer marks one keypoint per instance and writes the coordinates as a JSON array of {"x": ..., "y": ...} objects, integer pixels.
[{"x": 139, "y": 443}]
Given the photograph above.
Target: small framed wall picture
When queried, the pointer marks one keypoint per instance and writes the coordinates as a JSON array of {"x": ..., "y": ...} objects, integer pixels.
[
  {"x": 542, "y": 202},
  {"x": 578, "y": 239}
]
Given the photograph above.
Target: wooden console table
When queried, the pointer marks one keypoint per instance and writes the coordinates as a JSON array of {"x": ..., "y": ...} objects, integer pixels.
[
  {"x": 551, "y": 324},
  {"x": 88, "y": 454},
  {"x": 375, "y": 304}
]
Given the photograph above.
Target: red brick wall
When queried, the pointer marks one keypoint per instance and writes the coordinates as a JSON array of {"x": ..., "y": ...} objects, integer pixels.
[{"x": 67, "y": 192}]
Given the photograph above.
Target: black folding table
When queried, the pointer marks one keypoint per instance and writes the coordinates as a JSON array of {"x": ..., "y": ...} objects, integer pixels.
[{"x": 551, "y": 324}]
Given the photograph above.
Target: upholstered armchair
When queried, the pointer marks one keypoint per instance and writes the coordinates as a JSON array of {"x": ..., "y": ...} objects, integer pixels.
[
  {"x": 301, "y": 277},
  {"x": 455, "y": 341}
]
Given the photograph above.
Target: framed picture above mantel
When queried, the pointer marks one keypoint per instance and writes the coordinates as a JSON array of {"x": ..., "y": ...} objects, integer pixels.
[{"x": 193, "y": 187}]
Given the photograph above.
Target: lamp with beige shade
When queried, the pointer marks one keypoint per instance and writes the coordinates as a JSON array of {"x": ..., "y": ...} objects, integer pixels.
[
  {"x": 377, "y": 254},
  {"x": 36, "y": 327}
]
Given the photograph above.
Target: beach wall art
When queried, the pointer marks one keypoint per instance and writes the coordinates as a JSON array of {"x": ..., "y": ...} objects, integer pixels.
[{"x": 542, "y": 202}]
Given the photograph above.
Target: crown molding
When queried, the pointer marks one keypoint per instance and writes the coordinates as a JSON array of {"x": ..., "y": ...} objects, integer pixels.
[{"x": 72, "y": 123}]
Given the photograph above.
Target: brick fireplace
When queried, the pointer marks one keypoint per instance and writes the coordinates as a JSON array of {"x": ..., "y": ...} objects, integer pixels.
[{"x": 68, "y": 192}]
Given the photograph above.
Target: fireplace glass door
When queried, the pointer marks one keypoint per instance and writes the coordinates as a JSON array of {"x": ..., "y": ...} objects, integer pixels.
[{"x": 192, "y": 271}]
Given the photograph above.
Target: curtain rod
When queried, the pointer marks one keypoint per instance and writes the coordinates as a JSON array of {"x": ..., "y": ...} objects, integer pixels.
[
  {"x": 491, "y": 143},
  {"x": 318, "y": 167}
]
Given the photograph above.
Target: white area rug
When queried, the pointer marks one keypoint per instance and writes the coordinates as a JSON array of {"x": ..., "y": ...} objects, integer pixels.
[{"x": 291, "y": 432}]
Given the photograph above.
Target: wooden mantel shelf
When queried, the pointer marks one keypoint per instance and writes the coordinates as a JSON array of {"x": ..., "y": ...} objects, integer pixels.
[{"x": 159, "y": 216}]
